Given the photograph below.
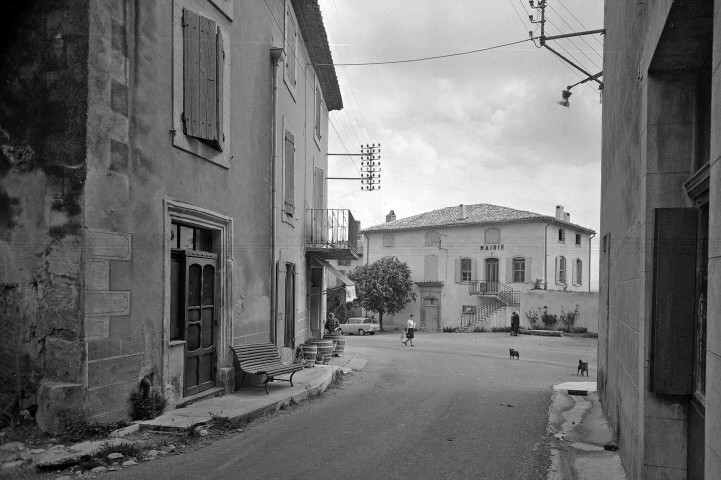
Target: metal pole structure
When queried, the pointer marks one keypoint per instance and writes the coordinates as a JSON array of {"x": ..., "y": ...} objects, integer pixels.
[{"x": 370, "y": 166}]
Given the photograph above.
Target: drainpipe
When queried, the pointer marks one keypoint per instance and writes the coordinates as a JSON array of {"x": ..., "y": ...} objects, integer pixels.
[
  {"x": 277, "y": 55},
  {"x": 589, "y": 262}
]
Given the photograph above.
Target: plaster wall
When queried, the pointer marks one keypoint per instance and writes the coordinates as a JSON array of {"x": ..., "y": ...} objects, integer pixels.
[
  {"x": 567, "y": 301},
  {"x": 647, "y": 156},
  {"x": 518, "y": 239}
]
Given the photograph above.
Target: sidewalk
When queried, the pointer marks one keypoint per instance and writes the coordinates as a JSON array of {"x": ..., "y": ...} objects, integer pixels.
[
  {"x": 249, "y": 403},
  {"x": 580, "y": 432}
]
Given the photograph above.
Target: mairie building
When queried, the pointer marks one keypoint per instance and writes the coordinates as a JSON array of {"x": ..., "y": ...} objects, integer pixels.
[{"x": 470, "y": 263}]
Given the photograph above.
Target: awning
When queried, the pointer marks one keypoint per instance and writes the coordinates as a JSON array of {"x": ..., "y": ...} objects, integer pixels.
[{"x": 350, "y": 293}]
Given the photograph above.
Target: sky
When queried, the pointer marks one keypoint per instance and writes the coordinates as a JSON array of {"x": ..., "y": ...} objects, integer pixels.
[{"x": 478, "y": 128}]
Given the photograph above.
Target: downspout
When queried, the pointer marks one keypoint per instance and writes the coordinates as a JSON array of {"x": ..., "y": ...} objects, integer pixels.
[
  {"x": 277, "y": 55},
  {"x": 589, "y": 261}
]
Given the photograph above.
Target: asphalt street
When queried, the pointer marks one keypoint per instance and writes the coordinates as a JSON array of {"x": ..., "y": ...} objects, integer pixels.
[{"x": 455, "y": 406}]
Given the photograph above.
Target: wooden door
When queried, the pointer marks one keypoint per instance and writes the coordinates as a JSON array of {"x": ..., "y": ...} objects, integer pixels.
[
  {"x": 492, "y": 270},
  {"x": 200, "y": 321}
]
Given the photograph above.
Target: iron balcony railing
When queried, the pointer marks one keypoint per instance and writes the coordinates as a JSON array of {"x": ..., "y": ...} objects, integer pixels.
[
  {"x": 480, "y": 312},
  {"x": 332, "y": 229}
]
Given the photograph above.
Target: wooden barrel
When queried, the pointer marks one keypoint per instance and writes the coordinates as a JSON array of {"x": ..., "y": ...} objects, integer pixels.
[
  {"x": 338, "y": 342},
  {"x": 325, "y": 347},
  {"x": 310, "y": 352}
]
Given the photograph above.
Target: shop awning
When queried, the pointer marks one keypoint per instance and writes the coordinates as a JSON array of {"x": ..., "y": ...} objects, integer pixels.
[{"x": 350, "y": 293}]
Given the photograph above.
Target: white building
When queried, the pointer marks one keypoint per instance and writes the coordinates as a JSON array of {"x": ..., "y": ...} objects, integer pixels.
[{"x": 470, "y": 262}]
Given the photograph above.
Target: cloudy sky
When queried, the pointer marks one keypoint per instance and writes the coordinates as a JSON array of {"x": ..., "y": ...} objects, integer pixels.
[{"x": 477, "y": 128}]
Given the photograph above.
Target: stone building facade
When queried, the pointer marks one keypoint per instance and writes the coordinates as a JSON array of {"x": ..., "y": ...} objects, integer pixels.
[
  {"x": 471, "y": 262},
  {"x": 659, "y": 358},
  {"x": 161, "y": 163}
]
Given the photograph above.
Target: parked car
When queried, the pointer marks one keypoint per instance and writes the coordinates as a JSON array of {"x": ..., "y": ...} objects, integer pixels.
[{"x": 360, "y": 325}]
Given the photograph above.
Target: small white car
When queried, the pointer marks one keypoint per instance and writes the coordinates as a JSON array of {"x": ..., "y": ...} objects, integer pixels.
[{"x": 360, "y": 325}]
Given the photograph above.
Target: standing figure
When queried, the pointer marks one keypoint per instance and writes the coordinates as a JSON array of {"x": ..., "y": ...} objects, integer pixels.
[
  {"x": 515, "y": 322},
  {"x": 410, "y": 329},
  {"x": 332, "y": 324}
]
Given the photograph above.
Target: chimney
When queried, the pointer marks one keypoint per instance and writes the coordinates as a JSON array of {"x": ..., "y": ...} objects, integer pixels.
[
  {"x": 568, "y": 217},
  {"x": 463, "y": 212},
  {"x": 560, "y": 213},
  {"x": 391, "y": 216}
]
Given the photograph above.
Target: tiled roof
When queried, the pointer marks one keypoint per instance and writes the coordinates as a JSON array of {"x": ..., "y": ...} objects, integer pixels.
[
  {"x": 312, "y": 28},
  {"x": 481, "y": 213}
]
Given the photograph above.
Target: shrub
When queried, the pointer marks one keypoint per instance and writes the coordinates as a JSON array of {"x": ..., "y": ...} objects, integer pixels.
[
  {"x": 532, "y": 316},
  {"x": 578, "y": 330},
  {"x": 449, "y": 329},
  {"x": 548, "y": 319},
  {"x": 479, "y": 329},
  {"x": 77, "y": 429},
  {"x": 501, "y": 329},
  {"x": 539, "y": 284},
  {"x": 568, "y": 319},
  {"x": 146, "y": 408}
]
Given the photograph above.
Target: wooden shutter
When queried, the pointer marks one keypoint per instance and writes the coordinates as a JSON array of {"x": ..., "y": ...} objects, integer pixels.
[
  {"x": 220, "y": 75},
  {"x": 458, "y": 270},
  {"x": 474, "y": 271},
  {"x": 558, "y": 270},
  {"x": 509, "y": 270},
  {"x": 289, "y": 203},
  {"x": 431, "y": 268},
  {"x": 208, "y": 87},
  {"x": 318, "y": 188},
  {"x": 191, "y": 78},
  {"x": 573, "y": 272},
  {"x": 529, "y": 272},
  {"x": 672, "y": 325}
]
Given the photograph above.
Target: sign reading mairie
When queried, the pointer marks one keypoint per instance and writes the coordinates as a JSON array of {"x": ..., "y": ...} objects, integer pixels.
[{"x": 494, "y": 246}]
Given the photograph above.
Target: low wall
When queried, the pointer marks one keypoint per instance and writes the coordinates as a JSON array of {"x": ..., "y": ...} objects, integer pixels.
[{"x": 587, "y": 306}]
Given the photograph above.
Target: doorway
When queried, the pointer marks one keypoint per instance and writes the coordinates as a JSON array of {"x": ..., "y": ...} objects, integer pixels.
[
  {"x": 430, "y": 320},
  {"x": 492, "y": 270}
]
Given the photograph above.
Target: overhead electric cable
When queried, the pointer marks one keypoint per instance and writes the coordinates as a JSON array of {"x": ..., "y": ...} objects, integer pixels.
[
  {"x": 579, "y": 22},
  {"x": 579, "y": 37},
  {"x": 423, "y": 59}
]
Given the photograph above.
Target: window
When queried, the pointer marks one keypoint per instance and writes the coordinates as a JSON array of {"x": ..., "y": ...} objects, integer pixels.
[
  {"x": 492, "y": 235},
  {"x": 519, "y": 270},
  {"x": 578, "y": 239},
  {"x": 604, "y": 243},
  {"x": 466, "y": 269},
  {"x": 578, "y": 272},
  {"x": 344, "y": 263},
  {"x": 289, "y": 174},
  {"x": 203, "y": 71},
  {"x": 561, "y": 235},
  {"x": 468, "y": 309},
  {"x": 433, "y": 239},
  {"x": 291, "y": 47},
  {"x": 561, "y": 270},
  {"x": 389, "y": 240},
  {"x": 318, "y": 112}
]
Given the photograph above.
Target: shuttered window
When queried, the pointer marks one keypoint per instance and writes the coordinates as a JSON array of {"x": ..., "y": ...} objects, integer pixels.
[
  {"x": 561, "y": 270},
  {"x": 291, "y": 39},
  {"x": 389, "y": 240},
  {"x": 318, "y": 110},
  {"x": 562, "y": 235},
  {"x": 466, "y": 270},
  {"x": 432, "y": 239},
  {"x": 289, "y": 174},
  {"x": 578, "y": 272},
  {"x": 431, "y": 268},
  {"x": 492, "y": 236},
  {"x": 519, "y": 270},
  {"x": 203, "y": 67}
]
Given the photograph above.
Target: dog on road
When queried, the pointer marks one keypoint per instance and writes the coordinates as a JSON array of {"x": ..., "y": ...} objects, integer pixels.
[
  {"x": 582, "y": 367},
  {"x": 514, "y": 354}
]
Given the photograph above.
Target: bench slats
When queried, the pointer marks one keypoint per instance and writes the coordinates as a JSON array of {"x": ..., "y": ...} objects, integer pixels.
[{"x": 263, "y": 359}]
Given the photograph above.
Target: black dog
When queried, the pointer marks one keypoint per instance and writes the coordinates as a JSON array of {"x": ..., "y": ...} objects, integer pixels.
[
  {"x": 514, "y": 353},
  {"x": 582, "y": 367}
]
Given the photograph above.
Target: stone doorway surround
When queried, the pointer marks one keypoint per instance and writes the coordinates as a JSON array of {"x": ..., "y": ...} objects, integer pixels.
[
  {"x": 173, "y": 351},
  {"x": 430, "y": 289}
]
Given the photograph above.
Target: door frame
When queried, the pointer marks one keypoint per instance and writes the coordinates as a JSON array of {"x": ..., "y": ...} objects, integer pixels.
[
  {"x": 222, "y": 226},
  {"x": 486, "y": 263}
]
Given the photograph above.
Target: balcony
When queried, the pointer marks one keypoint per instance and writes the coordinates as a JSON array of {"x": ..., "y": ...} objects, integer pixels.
[{"x": 332, "y": 234}]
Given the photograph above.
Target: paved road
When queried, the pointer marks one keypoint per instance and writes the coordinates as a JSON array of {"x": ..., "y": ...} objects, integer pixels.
[{"x": 452, "y": 407}]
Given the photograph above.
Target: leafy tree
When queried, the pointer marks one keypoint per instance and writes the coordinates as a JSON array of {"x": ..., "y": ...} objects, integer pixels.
[{"x": 384, "y": 286}]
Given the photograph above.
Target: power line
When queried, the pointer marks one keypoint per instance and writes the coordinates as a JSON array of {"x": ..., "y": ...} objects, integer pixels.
[
  {"x": 579, "y": 22},
  {"x": 423, "y": 59},
  {"x": 574, "y": 31}
]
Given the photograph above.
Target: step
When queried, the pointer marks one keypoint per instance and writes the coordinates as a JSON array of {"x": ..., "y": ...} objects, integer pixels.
[{"x": 211, "y": 392}]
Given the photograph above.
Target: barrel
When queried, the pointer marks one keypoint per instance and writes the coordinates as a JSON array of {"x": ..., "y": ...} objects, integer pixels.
[
  {"x": 338, "y": 342},
  {"x": 310, "y": 351},
  {"x": 325, "y": 348}
]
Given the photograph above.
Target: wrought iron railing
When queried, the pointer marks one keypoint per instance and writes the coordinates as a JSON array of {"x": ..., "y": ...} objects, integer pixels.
[
  {"x": 495, "y": 289},
  {"x": 480, "y": 312},
  {"x": 332, "y": 228}
]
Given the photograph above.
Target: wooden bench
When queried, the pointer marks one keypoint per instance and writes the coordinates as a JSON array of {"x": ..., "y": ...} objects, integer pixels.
[{"x": 263, "y": 359}]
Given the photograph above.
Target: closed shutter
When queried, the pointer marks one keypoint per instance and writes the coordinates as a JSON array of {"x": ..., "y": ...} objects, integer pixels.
[
  {"x": 220, "y": 75},
  {"x": 509, "y": 270},
  {"x": 474, "y": 271},
  {"x": 318, "y": 188},
  {"x": 288, "y": 201},
  {"x": 527, "y": 276},
  {"x": 431, "y": 268},
  {"x": 558, "y": 270},
  {"x": 573, "y": 272},
  {"x": 458, "y": 270},
  {"x": 203, "y": 67},
  {"x": 191, "y": 73},
  {"x": 674, "y": 276}
]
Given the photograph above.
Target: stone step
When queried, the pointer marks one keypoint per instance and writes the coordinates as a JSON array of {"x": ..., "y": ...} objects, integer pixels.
[{"x": 212, "y": 392}]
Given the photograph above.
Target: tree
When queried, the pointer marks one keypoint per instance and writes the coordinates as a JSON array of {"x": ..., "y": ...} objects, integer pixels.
[{"x": 384, "y": 286}]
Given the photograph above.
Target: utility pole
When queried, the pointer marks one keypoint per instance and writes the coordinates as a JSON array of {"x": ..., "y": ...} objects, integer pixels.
[
  {"x": 540, "y": 7},
  {"x": 370, "y": 166}
]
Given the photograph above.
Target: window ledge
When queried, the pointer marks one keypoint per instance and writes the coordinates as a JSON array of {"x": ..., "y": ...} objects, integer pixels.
[{"x": 175, "y": 343}]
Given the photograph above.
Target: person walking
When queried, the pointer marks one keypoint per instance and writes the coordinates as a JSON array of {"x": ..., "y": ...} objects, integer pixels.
[
  {"x": 410, "y": 329},
  {"x": 515, "y": 323}
]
